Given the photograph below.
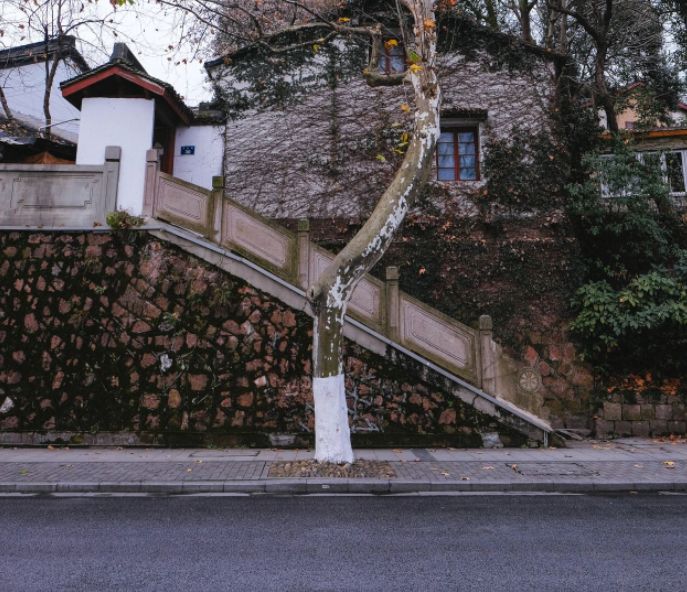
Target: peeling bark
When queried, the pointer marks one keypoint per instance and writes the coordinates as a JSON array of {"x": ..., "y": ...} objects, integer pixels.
[{"x": 330, "y": 295}]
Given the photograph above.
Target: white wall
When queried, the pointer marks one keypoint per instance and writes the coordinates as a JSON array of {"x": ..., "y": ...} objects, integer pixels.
[
  {"x": 207, "y": 160},
  {"x": 127, "y": 123},
  {"x": 24, "y": 88}
]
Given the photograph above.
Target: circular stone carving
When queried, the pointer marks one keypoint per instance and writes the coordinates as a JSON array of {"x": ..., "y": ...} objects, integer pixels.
[{"x": 529, "y": 380}]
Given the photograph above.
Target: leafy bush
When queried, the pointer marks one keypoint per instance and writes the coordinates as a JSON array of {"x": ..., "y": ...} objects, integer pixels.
[{"x": 632, "y": 312}]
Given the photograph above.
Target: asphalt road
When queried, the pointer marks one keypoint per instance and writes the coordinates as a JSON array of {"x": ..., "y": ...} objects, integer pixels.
[{"x": 490, "y": 543}]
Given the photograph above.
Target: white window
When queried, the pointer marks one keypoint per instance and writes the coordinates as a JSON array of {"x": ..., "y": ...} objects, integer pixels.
[{"x": 673, "y": 168}]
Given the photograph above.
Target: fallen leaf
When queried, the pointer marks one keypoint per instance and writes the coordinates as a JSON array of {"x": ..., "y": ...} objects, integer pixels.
[
  {"x": 445, "y": 473},
  {"x": 669, "y": 464},
  {"x": 414, "y": 68},
  {"x": 487, "y": 468},
  {"x": 405, "y": 107},
  {"x": 429, "y": 23}
]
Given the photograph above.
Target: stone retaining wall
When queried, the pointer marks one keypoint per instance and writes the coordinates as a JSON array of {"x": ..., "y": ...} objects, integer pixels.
[
  {"x": 644, "y": 415},
  {"x": 120, "y": 332}
]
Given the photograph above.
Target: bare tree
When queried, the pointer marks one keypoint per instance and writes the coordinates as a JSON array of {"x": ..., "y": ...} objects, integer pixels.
[
  {"x": 52, "y": 22},
  {"x": 5, "y": 104},
  {"x": 625, "y": 39},
  {"x": 330, "y": 294}
]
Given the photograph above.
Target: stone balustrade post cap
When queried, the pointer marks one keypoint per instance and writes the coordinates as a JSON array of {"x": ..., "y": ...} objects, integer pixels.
[
  {"x": 485, "y": 323},
  {"x": 303, "y": 225},
  {"x": 151, "y": 155},
  {"x": 113, "y": 153},
  {"x": 392, "y": 272}
]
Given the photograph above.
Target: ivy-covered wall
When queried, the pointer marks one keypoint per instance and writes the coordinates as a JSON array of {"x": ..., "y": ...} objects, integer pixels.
[
  {"x": 307, "y": 137},
  {"x": 120, "y": 332}
]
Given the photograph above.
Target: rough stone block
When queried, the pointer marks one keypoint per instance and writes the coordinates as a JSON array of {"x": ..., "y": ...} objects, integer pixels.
[
  {"x": 677, "y": 427},
  {"x": 648, "y": 412},
  {"x": 631, "y": 412},
  {"x": 612, "y": 411},
  {"x": 664, "y": 412},
  {"x": 658, "y": 427},
  {"x": 603, "y": 428},
  {"x": 641, "y": 428},
  {"x": 623, "y": 428}
]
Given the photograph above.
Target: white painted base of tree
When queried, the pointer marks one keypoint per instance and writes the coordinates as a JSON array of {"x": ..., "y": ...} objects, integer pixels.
[{"x": 332, "y": 434}]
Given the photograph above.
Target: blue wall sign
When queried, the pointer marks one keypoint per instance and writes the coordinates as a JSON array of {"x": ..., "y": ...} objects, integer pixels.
[{"x": 188, "y": 150}]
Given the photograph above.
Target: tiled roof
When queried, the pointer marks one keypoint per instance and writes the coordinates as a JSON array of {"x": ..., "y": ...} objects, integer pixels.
[
  {"x": 123, "y": 58},
  {"x": 30, "y": 53}
]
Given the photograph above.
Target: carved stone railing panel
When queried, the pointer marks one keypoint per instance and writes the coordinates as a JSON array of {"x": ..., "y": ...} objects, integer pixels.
[
  {"x": 58, "y": 195},
  {"x": 184, "y": 204},
  {"x": 438, "y": 337},
  {"x": 257, "y": 238},
  {"x": 367, "y": 299},
  {"x": 466, "y": 352}
]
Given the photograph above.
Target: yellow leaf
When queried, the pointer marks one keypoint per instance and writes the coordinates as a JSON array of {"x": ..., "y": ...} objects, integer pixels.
[
  {"x": 344, "y": 19},
  {"x": 405, "y": 107},
  {"x": 316, "y": 48},
  {"x": 389, "y": 43},
  {"x": 414, "y": 68},
  {"x": 669, "y": 464},
  {"x": 430, "y": 23}
]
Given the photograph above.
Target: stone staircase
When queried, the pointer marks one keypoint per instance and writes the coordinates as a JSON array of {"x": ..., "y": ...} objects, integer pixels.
[{"x": 464, "y": 361}]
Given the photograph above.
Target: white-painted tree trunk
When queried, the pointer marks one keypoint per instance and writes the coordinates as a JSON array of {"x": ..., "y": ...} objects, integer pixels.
[
  {"x": 330, "y": 294},
  {"x": 332, "y": 434}
]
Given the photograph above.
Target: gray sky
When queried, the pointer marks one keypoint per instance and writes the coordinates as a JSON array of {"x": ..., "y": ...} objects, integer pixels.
[{"x": 148, "y": 29}]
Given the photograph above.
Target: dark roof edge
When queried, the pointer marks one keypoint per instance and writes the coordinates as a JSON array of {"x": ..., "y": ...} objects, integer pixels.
[
  {"x": 143, "y": 74},
  {"x": 30, "y": 53}
]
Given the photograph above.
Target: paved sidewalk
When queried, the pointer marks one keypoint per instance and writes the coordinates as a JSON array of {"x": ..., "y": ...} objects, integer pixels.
[{"x": 622, "y": 465}]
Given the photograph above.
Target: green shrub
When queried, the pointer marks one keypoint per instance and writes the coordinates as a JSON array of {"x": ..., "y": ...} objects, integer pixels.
[{"x": 121, "y": 220}]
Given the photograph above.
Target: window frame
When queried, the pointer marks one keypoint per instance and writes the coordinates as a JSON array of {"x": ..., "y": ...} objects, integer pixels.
[
  {"x": 473, "y": 128},
  {"x": 385, "y": 62},
  {"x": 661, "y": 154}
]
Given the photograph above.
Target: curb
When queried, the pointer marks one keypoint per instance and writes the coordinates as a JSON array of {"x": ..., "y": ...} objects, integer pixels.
[{"x": 337, "y": 486}]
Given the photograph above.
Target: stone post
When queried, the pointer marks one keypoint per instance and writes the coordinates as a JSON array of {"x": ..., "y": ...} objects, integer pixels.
[
  {"x": 392, "y": 303},
  {"x": 488, "y": 355},
  {"x": 150, "y": 189},
  {"x": 303, "y": 239},
  {"x": 216, "y": 208},
  {"x": 113, "y": 157}
]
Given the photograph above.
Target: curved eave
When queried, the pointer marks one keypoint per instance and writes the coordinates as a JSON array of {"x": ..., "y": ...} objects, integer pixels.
[{"x": 74, "y": 91}]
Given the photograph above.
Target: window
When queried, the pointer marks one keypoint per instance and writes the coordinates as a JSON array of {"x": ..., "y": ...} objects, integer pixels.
[
  {"x": 458, "y": 154},
  {"x": 392, "y": 57},
  {"x": 675, "y": 171},
  {"x": 671, "y": 165}
]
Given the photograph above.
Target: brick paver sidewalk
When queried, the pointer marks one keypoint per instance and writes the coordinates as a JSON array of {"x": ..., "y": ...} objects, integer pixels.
[{"x": 630, "y": 464}]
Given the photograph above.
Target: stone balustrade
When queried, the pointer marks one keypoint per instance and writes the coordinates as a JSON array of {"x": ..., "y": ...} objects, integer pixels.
[
  {"x": 466, "y": 352},
  {"x": 59, "y": 195}
]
